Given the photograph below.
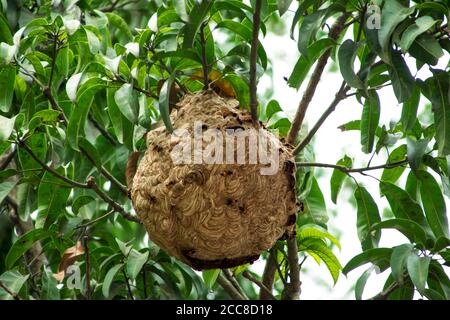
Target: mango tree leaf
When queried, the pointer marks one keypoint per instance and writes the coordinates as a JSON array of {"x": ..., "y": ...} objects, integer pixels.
[
  {"x": 196, "y": 18},
  {"x": 347, "y": 55},
  {"x": 5, "y": 189},
  {"x": 127, "y": 102},
  {"x": 413, "y": 231},
  {"x": 392, "y": 15},
  {"x": 7, "y": 80},
  {"x": 426, "y": 49},
  {"x": 399, "y": 258},
  {"x": 369, "y": 121},
  {"x": 402, "y": 205},
  {"x": 361, "y": 283},
  {"x": 409, "y": 110},
  {"x": 338, "y": 177},
  {"x": 315, "y": 208},
  {"x": 421, "y": 25},
  {"x": 393, "y": 174},
  {"x": 164, "y": 103},
  {"x": 6, "y": 128},
  {"x": 402, "y": 80},
  {"x": 380, "y": 257},
  {"x": 367, "y": 217},
  {"x": 80, "y": 202},
  {"x": 210, "y": 277},
  {"x": 110, "y": 275},
  {"x": 418, "y": 270},
  {"x": 304, "y": 64},
  {"x": 14, "y": 281},
  {"x": 135, "y": 262},
  {"x": 23, "y": 244},
  {"x": 434, "y": 204},
  {"x": 320, "y": 249}
]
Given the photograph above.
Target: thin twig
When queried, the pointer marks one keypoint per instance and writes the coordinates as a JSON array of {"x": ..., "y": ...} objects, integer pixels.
[
  {"x": 8, "y": 160},
  {"x": 95, "y": 220},
  {"x": 259, "y": 284},
  {"x": 127, "y": 281},
  {"x": 253, "y": 60},
  {"x": 101, "y": 130},
  {"x": 334, "y": 33},
  {"x": 116, "y": 207},
  {"x": 229, "y": 288},
  {"x": 13, "y": 294},
  {"x": 341, "y": 95},
  {"x": 88, "y": 267},
  {"x": 386, "y": 293},
  {"x": 356, "y": 170}
]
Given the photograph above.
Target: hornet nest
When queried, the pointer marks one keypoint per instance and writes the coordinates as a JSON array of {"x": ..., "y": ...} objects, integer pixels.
[{"x": 213, "y": 215}]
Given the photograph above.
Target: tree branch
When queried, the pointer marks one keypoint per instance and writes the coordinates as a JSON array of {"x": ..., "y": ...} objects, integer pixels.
[
  {"x": 259, "y": 284},
  {"x": 386, "y": 293},
  {"x": 88, "y": 267},
  {"x": 229, "y": 288},
  {"x": 268, "y": 277},
  {"x": 234, "y": 282},
  {"x": 334, "y": 33},
  {"x": 8, "y": 160},
  {"x": 116, "y": 207},
  {"x": 341, "y": 95},
  {"x": 293, "y": 288},
  {"x": 253, "y": 60},
  {"x": 356, "y": 170}
]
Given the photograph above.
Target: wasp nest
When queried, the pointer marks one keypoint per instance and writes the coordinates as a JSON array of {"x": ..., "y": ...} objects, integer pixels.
[{"x": 213, "y": 215}]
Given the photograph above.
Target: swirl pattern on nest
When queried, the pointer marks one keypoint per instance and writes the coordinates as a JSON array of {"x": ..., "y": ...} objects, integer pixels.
[{"x": 213, "y": 215}]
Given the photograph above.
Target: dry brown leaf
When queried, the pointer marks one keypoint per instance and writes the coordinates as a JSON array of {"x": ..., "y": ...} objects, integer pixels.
[{"x": 68, "y": 258}]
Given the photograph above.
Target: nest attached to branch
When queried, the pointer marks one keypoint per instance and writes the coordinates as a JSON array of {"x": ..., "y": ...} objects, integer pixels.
[{"x": 213, "y": 215}]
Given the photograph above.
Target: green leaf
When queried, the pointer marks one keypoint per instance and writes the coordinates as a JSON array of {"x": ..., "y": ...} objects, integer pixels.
[
  {"x": 413, "y": 231},
  {"x": 361, "y": 283},
  {"x": 127, "y": 102},
  {"x": 49, "y": 290},
  {"x": 314, "y": 231},
  {"x": 338, "y": 177},
  {"x": 6, "y": 127},
  {"x": 392, "y": 15},
  {"x": 441, "y": 107},
  {"x": 393, "y": 174},
  {"x": 135, "y": 262},
  {"x": 421, "y": 25},
  {"x": 241, "y": 88},
  {"x": 320, "y": 249},
  {"x": 315, "y": 208},
  {"x": 52, "y": 198},
  {"x": 93, "y": 41},
  {"x": 210, "y": 277},
  {"x": 346, "y": 56},
  {"x": 80, "y": 202},
  {"x": 426, "y": 49},
  {"x": 272, "y": 107},
  {"x": 402, "y": 80},
  {"x": 7, "y": 80},
  {"x": 304, "y": 64},
  {"x": 367, "y": 217},
  {"x": 196, "y": 18},
  {"x": 434, "y": 204},
  {"x": 399, "y": 257},
  {"x": 418, "y": 270},
  {"x": 164, "y": 103},
  {"x": 369, "y": 121},
  {"x": 5, "y": 189},
  {"x": 110, "y": 275},
  {"x": 118, "y": 22},
  {"x": 409, "y": 110},
  {"x": 14, "y": 281},
  {"x": 402, "y": 205},
  {"x": 283, "y": 6},
  {"x": 380, "y": 257},
  {"x": 23, "y": 244}
]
